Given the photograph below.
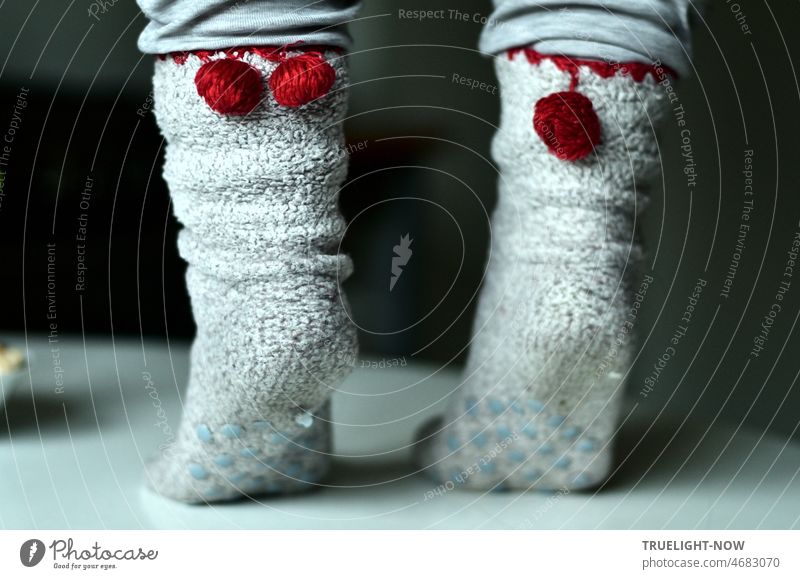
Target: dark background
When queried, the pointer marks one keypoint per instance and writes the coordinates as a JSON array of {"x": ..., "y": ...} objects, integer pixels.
[{"x": 422, "y": 170}]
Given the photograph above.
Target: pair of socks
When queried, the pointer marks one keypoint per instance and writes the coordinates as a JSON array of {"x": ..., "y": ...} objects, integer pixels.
[{"x": 254, "y": 160}]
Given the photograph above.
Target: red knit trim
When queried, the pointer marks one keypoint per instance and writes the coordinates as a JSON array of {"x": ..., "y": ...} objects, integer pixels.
[
  {"x": 636, "y": 70},
  {"x": 271, "y": 53}
]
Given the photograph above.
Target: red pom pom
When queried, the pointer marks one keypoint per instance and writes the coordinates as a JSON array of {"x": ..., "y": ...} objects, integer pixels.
[
  {"x": 301, "y": 79},
  {"x": 230, "y": 87},
  {"x": 567, "y": 123}
]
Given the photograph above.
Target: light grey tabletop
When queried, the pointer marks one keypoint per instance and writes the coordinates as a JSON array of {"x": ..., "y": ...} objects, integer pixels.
[{"x": 75, "y": 458}]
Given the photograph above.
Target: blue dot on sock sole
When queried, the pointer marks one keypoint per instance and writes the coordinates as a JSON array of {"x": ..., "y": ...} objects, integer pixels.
[
  {"x": 480, "y": 439},
  {"x": 203, "y": 433},
  {"x": 278, "y": 438},
  {"x": 231, "y": 431},
  {"x": 503, "y": 432},
  {"x": 516, "y": 456},
  {"x": 562, "y": 462},
  {"x": 488, "y": 468},
  {"x": 533, "y": 475},
  {"x": 263, "y": 467},
  {"x": 293, "y": 471},
  {"x": 570, "y": 433},
  {"x": 252, "y": 484},
  {"x": 223, "y": 460},
  {"x": 535, "y": 405},
  {"x": 197, "y": 471},
  {"x": 453, "y": 443}
]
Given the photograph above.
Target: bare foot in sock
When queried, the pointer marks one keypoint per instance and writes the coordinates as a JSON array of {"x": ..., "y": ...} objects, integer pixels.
[
  {"x": 541, "y": 395},
  {"x": 254, "y": 162}
]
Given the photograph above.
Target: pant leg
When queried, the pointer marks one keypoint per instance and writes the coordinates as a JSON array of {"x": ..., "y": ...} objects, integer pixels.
[
  {"x": 612, "y": 30},
  {"x": 184, "y": 25}
]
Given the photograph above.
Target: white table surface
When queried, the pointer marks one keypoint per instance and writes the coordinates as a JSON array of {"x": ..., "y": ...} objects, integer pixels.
[{"x": 75, "y": 459}]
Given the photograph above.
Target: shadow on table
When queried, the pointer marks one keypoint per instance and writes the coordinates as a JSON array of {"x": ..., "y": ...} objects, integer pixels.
[
  {"x": 655, "y": 453},
  {"x": 34, "y": 410}
]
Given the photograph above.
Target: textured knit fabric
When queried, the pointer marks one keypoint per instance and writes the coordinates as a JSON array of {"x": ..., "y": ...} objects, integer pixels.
[
  {"x": 178, "y": 25},
  {"x": 612, "y": 30},
  {"x": 257, "y": 196},
  {"x": 540, "y": 398}
]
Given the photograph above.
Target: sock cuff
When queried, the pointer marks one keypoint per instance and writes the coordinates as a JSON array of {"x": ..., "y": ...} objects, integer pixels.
[
  {"x": 273, "y": 53},
  {"x": 637, "y": 71},
  {"x": 589, "y": 121}
]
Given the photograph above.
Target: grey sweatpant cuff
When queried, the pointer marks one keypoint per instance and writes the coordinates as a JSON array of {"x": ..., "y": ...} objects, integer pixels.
[
  {"x": 611, "y": 30},
  {"x": 183, "y": 25}
]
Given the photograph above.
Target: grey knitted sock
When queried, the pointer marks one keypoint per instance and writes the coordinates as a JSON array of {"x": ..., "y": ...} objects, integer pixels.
[
  {"x": 256, "y": 189},
  {"x": 540, "y": 399}
]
